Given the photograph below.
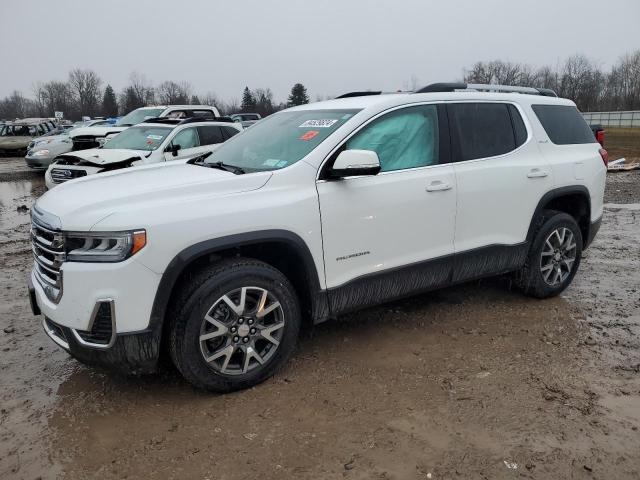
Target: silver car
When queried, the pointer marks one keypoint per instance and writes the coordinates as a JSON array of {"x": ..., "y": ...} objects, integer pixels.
[
  {"x": 246, "y": 119},
  {"x": 42, "y": 150}
]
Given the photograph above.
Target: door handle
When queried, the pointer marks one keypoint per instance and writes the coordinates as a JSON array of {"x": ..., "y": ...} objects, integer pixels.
[
  {"x": 438, "y": 186},
  {"x": 536, "y": 173}
]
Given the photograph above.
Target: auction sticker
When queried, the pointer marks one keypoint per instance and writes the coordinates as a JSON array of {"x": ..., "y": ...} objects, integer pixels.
[
  {"x": 155, "y": 137},
  {"x": 309, "y": 135},
  {"x": 326, "y": 123}
]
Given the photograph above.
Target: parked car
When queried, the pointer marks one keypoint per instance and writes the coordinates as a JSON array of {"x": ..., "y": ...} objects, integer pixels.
[
  {"x": 315, "y": 211},
  {"x": 154, "y": 140},
  {"x": 246, "y": 119},
  {"x": 42, "y": 150},
  {"x": 16, "y": 136},
  {"x": 93, "y": 137}
]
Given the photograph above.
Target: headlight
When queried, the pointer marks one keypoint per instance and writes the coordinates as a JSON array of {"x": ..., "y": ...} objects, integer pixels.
[
  {"x": 103, "y": 246},
  {"x": 40, "y": 153},
  {"x": 101, "y": 140}
]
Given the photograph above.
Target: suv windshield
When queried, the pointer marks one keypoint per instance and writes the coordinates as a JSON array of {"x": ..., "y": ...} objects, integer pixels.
[
  {"x": 280, "y": 140},
  {"x": 138, "y": 116},
  {"x": 139, "y": 138}
]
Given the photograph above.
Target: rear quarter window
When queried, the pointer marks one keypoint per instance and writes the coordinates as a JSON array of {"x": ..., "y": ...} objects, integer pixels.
[{"x": 564, "y": 124}]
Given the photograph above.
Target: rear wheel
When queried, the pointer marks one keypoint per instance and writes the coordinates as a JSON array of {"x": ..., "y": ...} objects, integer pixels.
[
  {"x": 554, "y": 256},
  {"x": 234, "y": 326}
]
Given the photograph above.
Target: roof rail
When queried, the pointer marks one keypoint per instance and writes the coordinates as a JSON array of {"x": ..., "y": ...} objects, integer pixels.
[
  {"x": 359, "y": 94},
  {"x": 452, "y": 87},
  {"x": 442, "y": 87},
  {"x": 182, "y": 121}
]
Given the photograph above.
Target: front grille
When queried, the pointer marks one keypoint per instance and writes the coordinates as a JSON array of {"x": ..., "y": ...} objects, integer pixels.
[
  {"x": 102, "y": 328},
  {"x": 48, "y": 254},
  {"x": 84, "y": 142},
  {"x": 61, "y": 175}
]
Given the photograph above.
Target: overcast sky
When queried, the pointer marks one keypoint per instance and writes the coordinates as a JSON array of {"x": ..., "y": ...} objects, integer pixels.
[{"x": 331, "y": 46}]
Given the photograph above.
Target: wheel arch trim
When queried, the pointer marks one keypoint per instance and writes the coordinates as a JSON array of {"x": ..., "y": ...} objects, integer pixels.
[
  {"x": 580, "y": 190},
  {"x": 186, "y": 257}
]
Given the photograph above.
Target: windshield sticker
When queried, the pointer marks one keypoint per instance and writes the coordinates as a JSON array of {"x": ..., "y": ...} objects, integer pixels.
[
  {"x": 282, "y": 163},
  {"x": 155, "y": 137},
  {"x": 326, "y": 123},
  {"x": 309, "y": 135},
  {"x": 271, "y": 162}
]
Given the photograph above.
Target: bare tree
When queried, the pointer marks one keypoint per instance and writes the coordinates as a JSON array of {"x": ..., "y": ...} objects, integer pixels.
[
  {"x": 172, "y": 93},
  {"x": 85, "y": 85}
]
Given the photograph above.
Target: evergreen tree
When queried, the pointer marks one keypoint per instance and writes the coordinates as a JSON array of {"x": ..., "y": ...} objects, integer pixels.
[
  {"x": 195, "y": 100},
  {"x": 248, "y": 101},
  {"x": 109, "y": 103},
  {"x": 298, "y": 95}
]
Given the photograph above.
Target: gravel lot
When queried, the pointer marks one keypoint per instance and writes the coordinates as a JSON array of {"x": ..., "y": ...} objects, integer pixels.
[{"x": 475, "y": 381}]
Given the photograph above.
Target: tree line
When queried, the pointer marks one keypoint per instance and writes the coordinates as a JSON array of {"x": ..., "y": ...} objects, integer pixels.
[
  {"x": 579, "y": 78},
  {"x": 82, "y": 94}
]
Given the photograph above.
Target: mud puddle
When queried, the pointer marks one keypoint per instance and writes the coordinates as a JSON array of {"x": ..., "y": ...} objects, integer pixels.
[{"x": 475, "y": 381}]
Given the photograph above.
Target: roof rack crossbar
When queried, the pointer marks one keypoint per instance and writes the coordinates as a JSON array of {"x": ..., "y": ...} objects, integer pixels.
[
  {"x": 359, "y": 94},
  {"x": 453, "y": 86}
]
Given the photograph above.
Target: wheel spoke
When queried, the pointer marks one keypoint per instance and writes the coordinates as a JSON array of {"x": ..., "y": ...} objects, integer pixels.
[
  {"x": 266, "y": 311},
  {"x": 267, "y": 332},
  {"x": 250, "y": 353},
  {"x": 225, "y": 352},
  {"x": 221, "y": 328},
  {"x": 568, "y": 262},
  {"x": 237, "y": 309}
]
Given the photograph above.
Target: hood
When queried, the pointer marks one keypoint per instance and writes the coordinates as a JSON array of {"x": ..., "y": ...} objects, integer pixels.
[
  {"x": 81, "y": 203},
  {"x": 100, "y": 131},
  {"x": 46, "y": 140},
  {"x": 106, "y": 156}
]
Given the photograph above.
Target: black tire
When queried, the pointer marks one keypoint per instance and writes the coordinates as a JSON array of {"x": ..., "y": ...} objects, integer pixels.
[
  {"x": 530, "y": 278},
  {"x": 197, "y": 297}
]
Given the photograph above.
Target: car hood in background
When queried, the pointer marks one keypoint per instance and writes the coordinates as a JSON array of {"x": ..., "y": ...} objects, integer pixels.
[
  {"x": 106, "y": 156},
  {"x": 101, "y": 131}
]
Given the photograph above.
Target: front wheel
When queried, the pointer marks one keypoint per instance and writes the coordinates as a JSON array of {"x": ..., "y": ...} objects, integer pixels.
[
  {"x": 554, "y": 256},
  {"x": 234, "y": 326}
]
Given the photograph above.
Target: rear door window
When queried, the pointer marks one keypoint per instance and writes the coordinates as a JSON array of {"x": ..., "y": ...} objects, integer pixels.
[
  {"x": 564, "y": 124},
  {"x": 481, "y": 130},
  {"x": 230, "y": 132},
  {"x": 210, "y": 135}
]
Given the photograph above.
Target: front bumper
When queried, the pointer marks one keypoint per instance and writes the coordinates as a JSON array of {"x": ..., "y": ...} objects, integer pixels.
[
  {"x": 129, "y": 353},
  {"x": 38, "y": 162}
]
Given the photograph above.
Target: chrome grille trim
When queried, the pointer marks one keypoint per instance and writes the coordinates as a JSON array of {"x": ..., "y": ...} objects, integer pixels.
[{"x": 47, "y": 246}]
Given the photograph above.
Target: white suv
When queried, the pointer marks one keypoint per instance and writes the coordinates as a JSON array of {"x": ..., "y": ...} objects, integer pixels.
[
  {"x": 155, "y": 140},
  {"x": 315, "y": 211},
  {"x": 93, "y": 137}
]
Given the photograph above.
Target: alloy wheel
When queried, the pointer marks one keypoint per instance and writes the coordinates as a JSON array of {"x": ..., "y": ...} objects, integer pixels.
[
  {"x": 242, "y": 330},
  {"x": 558, "y": 256}
]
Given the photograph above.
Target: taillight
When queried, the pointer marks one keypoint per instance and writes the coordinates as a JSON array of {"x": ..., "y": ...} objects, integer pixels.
[
  {"x": 600, "y": 137},
  {"x": 605, "y": 156}
]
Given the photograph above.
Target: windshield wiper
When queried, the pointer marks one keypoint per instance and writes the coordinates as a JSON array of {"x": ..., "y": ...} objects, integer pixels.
[{"x": 199, "y": 160}]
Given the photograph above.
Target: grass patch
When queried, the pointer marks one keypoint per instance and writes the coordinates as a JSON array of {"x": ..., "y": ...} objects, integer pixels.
[{"x": 622, "y": 142}]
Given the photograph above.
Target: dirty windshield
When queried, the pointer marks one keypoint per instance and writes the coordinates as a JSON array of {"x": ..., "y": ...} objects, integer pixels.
[
  {"x": 280, "y": 140},
  {"x": 139, "y": 138}
]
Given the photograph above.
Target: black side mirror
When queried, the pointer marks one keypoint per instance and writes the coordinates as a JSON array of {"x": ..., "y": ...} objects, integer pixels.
[{"x": 173, "y": 149}]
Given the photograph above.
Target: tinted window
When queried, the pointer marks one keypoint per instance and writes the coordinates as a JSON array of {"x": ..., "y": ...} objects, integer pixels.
[
  {"x": 482, "y": 130},
  {"x": 519, "y": 129},
  {"x": 230, "y": 131},
  {"x": 405, "y": 138},
  {"x": 201, "y": 113},
  {"x": 564, "y": 124},
  {"x": 210, "y": 135}
]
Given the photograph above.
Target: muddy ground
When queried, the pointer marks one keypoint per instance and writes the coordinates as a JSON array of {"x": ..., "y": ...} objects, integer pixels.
[{"x": 475, "y": 381}]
